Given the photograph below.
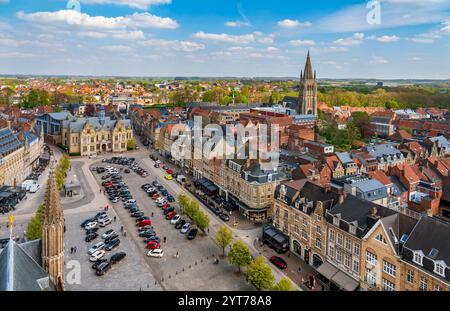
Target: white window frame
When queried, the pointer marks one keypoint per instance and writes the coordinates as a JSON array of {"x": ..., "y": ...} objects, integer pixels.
[
  {"x": 356, "y": 266},
  {"x": 418, "y": 258},
  {"x": 423, "y": 284},
  {"x": 439, "y": 269},
  {"x": 371, "y": 258},
  {"x": 410, "y": 277},
  {"x": 388, "y": 286},
  {"x": 389, "y": 268},
  {"x": 371, "y": 277},
  {"x": 336, "y": 220},
  {"x": 332, "y": 235}
]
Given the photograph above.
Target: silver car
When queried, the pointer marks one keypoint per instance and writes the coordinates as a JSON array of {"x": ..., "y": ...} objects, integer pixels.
[
  {"x": 185, "y": 228},
  {"x": 97, "y": 247}
]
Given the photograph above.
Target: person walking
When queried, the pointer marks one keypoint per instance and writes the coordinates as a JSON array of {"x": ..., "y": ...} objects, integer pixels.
[
  {"x": 71, "y": 250},
  {"x": 152, "y": 214},
  {"x": 165, "y": 239},
  {"x": 115, "y": 218},
  {"x": 75, "y": 249},
  {"x": 121, "y": 228}
]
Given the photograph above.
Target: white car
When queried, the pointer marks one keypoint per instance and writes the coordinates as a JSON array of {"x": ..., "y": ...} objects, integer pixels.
[
  {"x": 175, "y": 219},
  {"x": 91, "y": 225},
  {"x": 151, "y": 189},
  {"x": 93, "y": 156},
  {"x": 185, "y": 228},
  {"x": 160, "y": 200},
  {"x": 34, "y": 188},
  {"x": 97, "y": 255},
  {"x": 156, "y": 253},
  {"x": 108, "y": 233},
  {"x": 104, "y": 222},
  {"x": 97, "y": 247}
]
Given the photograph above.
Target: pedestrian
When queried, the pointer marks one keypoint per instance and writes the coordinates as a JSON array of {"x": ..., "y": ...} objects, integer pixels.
[
  {"x": 76, "y": 249},
  {"x": 71, "y": 250},
  {"x": 208, "y": 230},
  {"x": 152, "y": 214},
  {"x": 289, "y": 254},
  {"x": 121, "y": 228},
  {"x": 177, "y": 255},
  {"x": 115, "y": 218},
  {"x": 299, "y": 269},
  {"x": 165, "y": 239}
]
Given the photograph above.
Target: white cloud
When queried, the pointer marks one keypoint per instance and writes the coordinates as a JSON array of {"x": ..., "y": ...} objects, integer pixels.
[
  {"x": 128, "y": 35},
  {"x": 234, "y": 24},
  {"x": 117, "y": 48},
  {"x": 93, "y": 34},
  {"x": 446, "y": 28},
  {"x": 415, "y": 59},
  {"x": 290, "y": 23},
  {"x": 74, "y": 18},
  {"x": 176, "y": 45},
  {"x": 378, "y": 60},
  {"x": 387, "y": 39},
  {"x": 356, "y": 39},
  {"x": 4, "y": 1},
  {"x": 138, "y": 4},
  {"x": 272, "y": 49},
  {"x": 422, "y": 40},
  {"x": 226, "y": 38},
  {"x": 302, "y": 42}
]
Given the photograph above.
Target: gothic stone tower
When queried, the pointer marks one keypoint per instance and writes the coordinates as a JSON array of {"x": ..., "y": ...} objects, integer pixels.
[
  {"x": 308, "y": 90},
  {"x": 53, "y": 235}
]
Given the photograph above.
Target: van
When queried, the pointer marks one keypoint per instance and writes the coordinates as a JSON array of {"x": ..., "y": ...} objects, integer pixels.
[
  {"x": 181, "y": 179},
  {"x": 34, "y": 188},
  {"x": 103, "y": 268}
]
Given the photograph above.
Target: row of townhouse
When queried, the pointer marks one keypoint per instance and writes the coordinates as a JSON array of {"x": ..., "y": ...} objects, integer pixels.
[{"x": 355, "y": 244}]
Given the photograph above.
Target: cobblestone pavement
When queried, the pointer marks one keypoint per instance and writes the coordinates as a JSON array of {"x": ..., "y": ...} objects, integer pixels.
[{"x": 131, "y": 274}]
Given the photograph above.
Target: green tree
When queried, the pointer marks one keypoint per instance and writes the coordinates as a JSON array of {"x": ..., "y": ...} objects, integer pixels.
[
  {"x": 259, "y": 274},
  {"x": 34, "y": 227},
  {"x": 131, "y": 144},
  {"x": 224, "y": 237},
  {"x": 192, "y": 209},
  {"x": 284, "y": 285},
  {"x": 201, "y": 220},
  {"x": 240, "y": 255},
  {"x": 183, "y": 201}
]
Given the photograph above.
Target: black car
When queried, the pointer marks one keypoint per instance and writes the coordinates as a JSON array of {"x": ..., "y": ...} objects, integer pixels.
[
  {"x": 137, "y": 214},
  {"x": 147, "y": 234},
  {"x": 91, "y": 237},
  {"x": 156, "y": 165},
  {"x": 224, "y": 216},
  {"x": 155, "y": 184},
  {"x": 180, "y": 224},
  {"x": 93, "y": 230},
  {"x": 111, "y": 238},
  {"x": 169, "y": 210},
  {"x": 98, "y": 263},
  {"x": 154, "y": 238},
  {"x": 112, "y": 244},
  {"x": 127, "y": 171},
  {"x": 103, "y": 268},
  {"x": 84, "y": 223},
  {"x": 152, "y": 193},
  {"x": 170, "y": 198},
  {"x": 117, "y": 257},
  {"x": 192, "y": 234},
  {"x": 145, "y": 186},
  {"x": 134, "y": 209},
  {"x": 160, "y": 187}
]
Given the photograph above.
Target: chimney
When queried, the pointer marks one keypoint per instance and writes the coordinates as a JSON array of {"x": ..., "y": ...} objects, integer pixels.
[
  {"x": 373, "y": 217},
  {"x": 342, "y": 196},
  {"x": 9, "y": 124}
]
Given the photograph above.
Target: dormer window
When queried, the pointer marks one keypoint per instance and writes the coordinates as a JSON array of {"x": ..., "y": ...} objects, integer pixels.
[
  {"x": 380, "y": 238},
  {"x": 418, "y": 258},
  {"x": 439, "y": 269},
  {"x": 336, "y": 220},
  {"x": 352, "y": 229}
]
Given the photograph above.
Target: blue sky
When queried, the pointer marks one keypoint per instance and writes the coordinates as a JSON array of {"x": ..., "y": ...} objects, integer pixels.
[{"x": 246, "y": 38}]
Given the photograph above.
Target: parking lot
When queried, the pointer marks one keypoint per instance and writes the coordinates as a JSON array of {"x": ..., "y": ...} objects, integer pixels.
[
  {"x": 193, "y": 268},
  {"x": 132, "y": 273}
]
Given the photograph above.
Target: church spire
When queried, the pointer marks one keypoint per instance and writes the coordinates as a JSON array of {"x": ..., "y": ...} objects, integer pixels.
[
  {"x": 53, "y": 234},
  {"x": 308, "y": 73}
]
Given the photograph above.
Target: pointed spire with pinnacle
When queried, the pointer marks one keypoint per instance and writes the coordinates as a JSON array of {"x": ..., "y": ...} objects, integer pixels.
[
  {"x": 308, "y": 73},
  {"x": 53, "y": 213}
]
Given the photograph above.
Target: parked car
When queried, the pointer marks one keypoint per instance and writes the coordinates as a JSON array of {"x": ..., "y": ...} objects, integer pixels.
[
  {"x": 192, "y": 234},
  {"x": 91, "y": 237},
  {"x": 144, "y": 223},
  {"x": 96, "y": 247},
  {"x": 112, "y": 244},
  {"x": 100, "y": 215},
  {"x": 153, "y": 245},
  {"x": 98, "y": 263},
  {"x": 170, "y": 198},
  {"x": 170, "y": 215},
  {"x": 93, "y": 230},
  {"x": 97, "y": 255},
  {"x": 108, "y": 233},
  {"x": 117, "y": 257},
  {"x": 175, "y": 219},
  {"x": 113, "y": 237},
  {"x": 169, "y": 177},
  {"x": 84, "y": 223},
  {"x": 156, "y": 253},
  {"x": 142, "y": 218},
  {"x": 137, "y": 214},
  {"x": 91, "y": 225},
  {"x": 154, "y": 238},
  {"x": 278, "y": 262},
  {"x": 169, "y": 210},
  {"x": 103, "y": 268},
  {"x": 155, "y": 184},
  {"x": 169, "y": 171},
  {"x": 180, "y": 224},
  {"x": 224, "y": 217},
  {"x": 185, "y": 228},
  {"x": 104, "y": 222}
]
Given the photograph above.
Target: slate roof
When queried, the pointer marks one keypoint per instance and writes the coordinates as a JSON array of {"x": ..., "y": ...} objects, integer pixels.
[
  {"x": 19, "y": 270},
  {"x": 8, "y": 141},
  {"x": 63, "y": 115},
  {"x": 400, "y": 224},
  {"x": 77, "y": 125},
  {"x": 431, "y": 233}
]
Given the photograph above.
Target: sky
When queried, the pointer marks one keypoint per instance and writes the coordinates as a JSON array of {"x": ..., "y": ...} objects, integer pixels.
[{"x": 380, "y": 39}]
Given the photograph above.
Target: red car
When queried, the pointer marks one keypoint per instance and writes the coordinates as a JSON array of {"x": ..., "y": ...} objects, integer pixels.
[
  {"x": 169, "y": 171},
  {"x": 156, "y": 196},
  {"x": 146, "y": 222},
  {"x": 165, "y": 206},
  {"x": 170, "y": 215},
  {"x": 279, "y": 262},
  {"x": 106, "y": 183},
  {"x": 153, "y": 245}
]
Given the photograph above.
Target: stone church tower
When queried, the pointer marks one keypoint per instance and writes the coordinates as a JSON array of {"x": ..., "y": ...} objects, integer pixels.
[
  {"x": 308, "y": 90},
  {"x": 53, "y": 235}
]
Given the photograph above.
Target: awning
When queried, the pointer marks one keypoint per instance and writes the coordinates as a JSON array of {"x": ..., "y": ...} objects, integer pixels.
[
  {"x": 338, "y": 277},
  {"x": 344, "y": 281},
  {"x": 327, "y": 270}
]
